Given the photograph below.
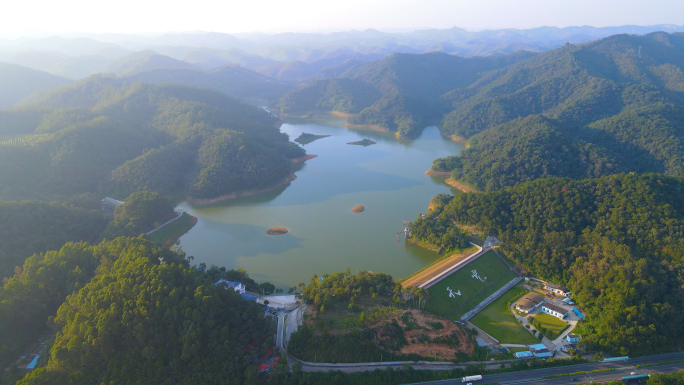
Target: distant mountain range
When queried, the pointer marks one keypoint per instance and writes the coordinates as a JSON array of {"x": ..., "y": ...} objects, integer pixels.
[
  {"x": 609, "y": 106},
  {"x": 290, "y": 57},
  {"x": 18, "y": 82}
]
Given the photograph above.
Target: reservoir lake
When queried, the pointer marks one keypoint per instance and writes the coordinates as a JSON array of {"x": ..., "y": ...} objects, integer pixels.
[{"x": 325, "y": 236}]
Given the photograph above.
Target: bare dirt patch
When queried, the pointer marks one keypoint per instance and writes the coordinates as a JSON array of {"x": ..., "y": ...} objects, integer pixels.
[
  {"x": 277, "y": 231},
  {"x": 431, "y": 347}
]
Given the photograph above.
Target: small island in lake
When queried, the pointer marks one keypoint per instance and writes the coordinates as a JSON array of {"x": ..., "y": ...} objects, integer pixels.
[
  {"x": 277, "y": 231},
  {"x": 306, "y": 138},
  {"x": 358, "y": 209},
  {"x": 364, "y": 143}
]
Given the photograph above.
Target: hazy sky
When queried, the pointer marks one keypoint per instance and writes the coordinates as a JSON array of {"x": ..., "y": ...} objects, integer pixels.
[{"x": 132, "y": 16}]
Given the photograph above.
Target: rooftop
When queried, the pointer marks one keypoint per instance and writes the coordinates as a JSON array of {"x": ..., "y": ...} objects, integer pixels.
[
  {"x": 555, "y": 308},
  {"x": 530, "y": 300},
  {"x": 554, "y": 286}
]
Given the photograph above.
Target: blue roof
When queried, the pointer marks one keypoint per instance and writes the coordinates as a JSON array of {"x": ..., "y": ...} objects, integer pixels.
[
  {"x": 578, "y": 313},
  {"x": 523, "y": 354},
  {"x": 32, "y": 364},
  {"x": 248, "y": 297},
  {"x": 227, "y": 283},
  {"x": 547, "y": 354},
  {"x": 537, "y": 347}
]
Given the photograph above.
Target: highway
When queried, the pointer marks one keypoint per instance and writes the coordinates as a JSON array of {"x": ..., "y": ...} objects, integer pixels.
[{"x": 622, "y": 368}]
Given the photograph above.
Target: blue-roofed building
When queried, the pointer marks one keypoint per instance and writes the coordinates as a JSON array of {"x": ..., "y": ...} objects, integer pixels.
[
  {"x": 537, "y": 347},
  {"x": 572, "y": 338},
  {"x": 524, "y": 354},
  {"x": 248, "y": 297},
  {"x": 545, "y": 354},
  {"x": 33, "y": 363},
  {"x": 579, "y": 315}
]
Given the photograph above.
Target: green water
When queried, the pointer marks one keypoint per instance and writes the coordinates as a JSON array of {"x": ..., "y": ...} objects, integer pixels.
[{"x": 388, "y": 178}]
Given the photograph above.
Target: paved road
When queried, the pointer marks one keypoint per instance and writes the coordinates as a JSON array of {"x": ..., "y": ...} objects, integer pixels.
[
  {"x": 281, "y": 323},
  {"x": 623, "y": 368}
]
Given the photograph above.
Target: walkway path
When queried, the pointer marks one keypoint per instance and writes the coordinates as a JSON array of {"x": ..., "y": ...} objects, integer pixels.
[{"x": 490, "y": 299}]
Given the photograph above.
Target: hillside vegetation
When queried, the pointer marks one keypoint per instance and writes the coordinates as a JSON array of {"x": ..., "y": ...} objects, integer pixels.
[
  {"x": 409, "y": 89},
  {"x": 129, "y": 318},
  {"x": 581, "y": 111},
  {"x": 616, "y": 241},
  {"x": 30, "y": 227},
  {"x": 111, "y": 138},
  {"x": 605, "y": 107}
]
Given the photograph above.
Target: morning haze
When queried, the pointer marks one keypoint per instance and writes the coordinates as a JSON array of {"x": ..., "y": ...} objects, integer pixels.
[{"x": 359, "y": 192}]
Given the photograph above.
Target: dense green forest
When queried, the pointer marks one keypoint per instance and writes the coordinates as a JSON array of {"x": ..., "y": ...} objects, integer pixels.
[
  {"x": 46, "y": 279},
  {"x": 30, "y": 227},
  {"x": 139, "y": 321},
  {"x": 616, "y": 241},
  {"x": 111, "y": 138},
  {"x": 401, "y": 93},
  {"x": 581, "y": 111},
  {"x": 439, "y": 234},
  {"x": 141, "y": 212},
  {"x": 605, "y": 107},
  {"x": 127, "y": 317},
  {"x": 342, "y": 95}
]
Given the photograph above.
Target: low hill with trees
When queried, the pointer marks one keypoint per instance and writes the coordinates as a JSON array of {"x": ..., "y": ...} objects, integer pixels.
[
  {"x": 615, "y": 241},
  {"x": 111, "y": 138},
  {"x": 30, "y": 227},
  {"x": 141, "y": 212}
]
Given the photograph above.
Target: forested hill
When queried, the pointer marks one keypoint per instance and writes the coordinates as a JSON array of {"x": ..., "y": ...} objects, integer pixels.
[
  {"x": 29, "y": 227},
  {"x": 604, "y": 107},
  {"x": 410, "y": 88},
  {"x": 111, "y": 138},
  {"x": 18, "y": 82},
  {"x": 614, "y": 105},
  {"x": 617, "y": 242},
  {"x": 121, "y": 316}
]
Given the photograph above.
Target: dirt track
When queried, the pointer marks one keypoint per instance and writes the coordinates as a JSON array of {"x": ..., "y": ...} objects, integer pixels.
[{"x": 435, "y": 270}]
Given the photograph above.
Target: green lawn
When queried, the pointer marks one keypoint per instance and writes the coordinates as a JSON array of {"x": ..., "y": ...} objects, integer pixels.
[
  {"x": 497, "y": 320},
  {"x": 474, "y": 301},
  {"x": 550, "y": 323},
  {"x": 488, "y": 267}
]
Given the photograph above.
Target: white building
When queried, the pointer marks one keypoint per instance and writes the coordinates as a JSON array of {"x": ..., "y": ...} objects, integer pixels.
[
  {"x": 554, "y": 310},
  {"x": 557, "y": 289},
  {"x": 529, "y": 302},
  {"x": 237, "y": 286}
]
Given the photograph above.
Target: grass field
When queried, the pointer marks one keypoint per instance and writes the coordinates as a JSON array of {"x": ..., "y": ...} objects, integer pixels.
[
  {"x": 488, "y": 268},
  {"x": 553, "y": 325},
  {"x": 497, "y": 320},
  {"x": 475, "y": 300}
]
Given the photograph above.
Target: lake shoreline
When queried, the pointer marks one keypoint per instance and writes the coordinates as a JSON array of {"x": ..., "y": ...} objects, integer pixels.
[
  {"x": 432, "y": 172},
  {"x": 460, "y": 185},
  {"x": 242, "y": 194},
  {"x": 250, "y": 193}
]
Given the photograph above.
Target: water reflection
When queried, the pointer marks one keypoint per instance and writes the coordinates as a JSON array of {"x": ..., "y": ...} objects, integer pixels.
[{"x": 388, "y": 178}]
